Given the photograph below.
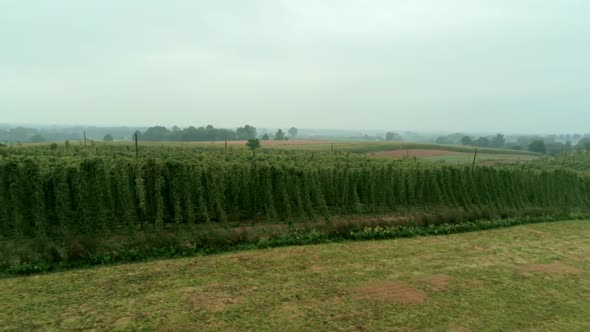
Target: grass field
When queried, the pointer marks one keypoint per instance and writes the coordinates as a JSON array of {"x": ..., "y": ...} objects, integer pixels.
[{"x": 532, "y": 277}]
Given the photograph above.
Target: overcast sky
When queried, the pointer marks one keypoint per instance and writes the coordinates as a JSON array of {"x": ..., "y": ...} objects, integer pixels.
[{"x": 491, "y": 65}]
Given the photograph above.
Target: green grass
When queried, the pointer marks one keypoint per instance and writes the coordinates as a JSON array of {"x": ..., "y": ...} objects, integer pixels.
[{"x": 532, "y": 277}]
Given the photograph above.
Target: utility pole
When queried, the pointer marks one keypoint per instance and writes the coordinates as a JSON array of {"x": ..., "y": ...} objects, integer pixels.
[
  {"x": 474, "y": 158},
  {"x": 84, "y": 137},
  {"x": 136, "y": 147}
]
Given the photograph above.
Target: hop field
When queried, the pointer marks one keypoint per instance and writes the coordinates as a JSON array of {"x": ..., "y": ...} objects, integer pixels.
[{"x": 56, "y": 193}]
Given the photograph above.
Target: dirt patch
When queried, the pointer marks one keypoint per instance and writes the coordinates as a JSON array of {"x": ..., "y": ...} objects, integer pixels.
[
  {"x": 553, "y": 268},
  {"x": 316, "y": 268},
  {"x": 414, "y": 153},
  {"x": 439, "y": 282},
  {"x": 391, "y": 291},
  {"x": 215, "y": 301}
]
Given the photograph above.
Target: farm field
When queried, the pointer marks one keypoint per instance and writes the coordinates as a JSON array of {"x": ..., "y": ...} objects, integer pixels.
[
  {"x": 532, "y": 277},
  {"x": 67, "y": 205},
  {"x": 454, "y": 154},
  {"x": 398, "y": 149},
  {"x": 455, "y": 157}
]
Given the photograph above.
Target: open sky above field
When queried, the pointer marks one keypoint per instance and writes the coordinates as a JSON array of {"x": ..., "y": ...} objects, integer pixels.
[{"x": 490, "y": 65}]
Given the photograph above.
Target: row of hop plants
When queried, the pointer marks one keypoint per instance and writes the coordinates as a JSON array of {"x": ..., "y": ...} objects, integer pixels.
[{"x": 51, "y": 196}]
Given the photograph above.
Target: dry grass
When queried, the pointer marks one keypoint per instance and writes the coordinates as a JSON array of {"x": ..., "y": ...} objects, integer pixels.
[{"x": 532, "y": 277}]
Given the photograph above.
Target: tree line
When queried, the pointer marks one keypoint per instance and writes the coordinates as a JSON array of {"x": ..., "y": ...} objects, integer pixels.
[{"x": 550, "y": 144}]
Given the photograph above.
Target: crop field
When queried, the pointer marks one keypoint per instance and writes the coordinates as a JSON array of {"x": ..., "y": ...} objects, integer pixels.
[
  {"x": 455, "y": 157},
  {"x": 532, "y": 278},
  {"x": 70, "y": 205}
]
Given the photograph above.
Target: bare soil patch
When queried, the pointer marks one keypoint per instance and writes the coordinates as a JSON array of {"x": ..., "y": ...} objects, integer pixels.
[
  {"x": 391, "y": 291},
  {"x": 414, "y": 153},
  {"x": 553, "y": 268}
]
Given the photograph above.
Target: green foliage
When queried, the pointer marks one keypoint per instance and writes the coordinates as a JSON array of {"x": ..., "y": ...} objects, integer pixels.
[
  {"x": 104, "y": 192},
  {"x": 279, "y": 135},
  {"x": 253, "y": 144},
  {"x": 538, "y": 146}
]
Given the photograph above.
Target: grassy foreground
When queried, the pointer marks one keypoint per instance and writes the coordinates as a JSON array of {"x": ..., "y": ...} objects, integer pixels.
[{"x": 532, "y": 277}]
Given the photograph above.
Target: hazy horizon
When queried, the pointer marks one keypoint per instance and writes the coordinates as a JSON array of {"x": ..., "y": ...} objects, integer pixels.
[{"x": 420, "y": 65}]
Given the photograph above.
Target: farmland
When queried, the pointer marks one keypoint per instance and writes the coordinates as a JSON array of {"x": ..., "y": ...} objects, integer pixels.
[
  {"x": 66, "y": 205},
  {"x": 532, "y": 277}
]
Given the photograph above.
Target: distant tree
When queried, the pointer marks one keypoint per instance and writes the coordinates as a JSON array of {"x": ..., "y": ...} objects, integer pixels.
[
  {"x": 108, "y": 138},
  {"x": 466, "y": 140},
  {"x": 157, "y": 133},
  {"x": 280, "y": 135},
  {"x": 190, "y": 134},
  {"x": 293, "y": 132},
  {"x": 498, "y": 141},
  {"x": 483, "y": 142},
  {"x": 583, "y": 144},
  {"x": 20, "y": 134},
  {"x": 253, "y": 144},
  {"x": 176, "y": 134},
  {"x": 245, "y": 133},
  {"x": 538, "y": 146},
  {"x": 554, "y": 148},
  {"x": 37, "y": 138},
  {"x": 568, "y": 146},
  {"x": 391, "y": 136},
  {"x": 265, "y": 137}
]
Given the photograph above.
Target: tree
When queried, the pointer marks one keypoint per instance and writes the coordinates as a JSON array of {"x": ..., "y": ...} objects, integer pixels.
[
  {"x": 280, "y": 135},
  {"x": 391, "y": 136},
  {"x": 245, "y": 133},
  {"x": 583, "y": 144},
  {"x": 265, "y": 137},
  {"x": 20, "y": 134},
  {"x": 538, "y": 146},
  {"x": 108, "y": 138},
  {"x": 37, "y": 138},
  {"x": 293, "y": 132},
  {"x": 157, "y": 133},
  {"x": 484, "y": 142},
  {"x": 253, "y": 144},
  {"x": 466, "y": 140},
  {"x": 498, "y": 141}
]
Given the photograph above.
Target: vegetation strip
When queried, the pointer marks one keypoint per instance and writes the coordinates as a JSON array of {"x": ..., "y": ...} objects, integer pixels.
[{"x": 166, "y": 245}]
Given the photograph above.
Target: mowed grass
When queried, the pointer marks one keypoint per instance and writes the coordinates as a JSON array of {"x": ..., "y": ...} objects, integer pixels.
[{"x": 533, "y": 277}]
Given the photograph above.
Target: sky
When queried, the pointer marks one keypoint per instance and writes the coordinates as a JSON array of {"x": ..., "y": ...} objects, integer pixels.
[{"x": 446, "y": 65}]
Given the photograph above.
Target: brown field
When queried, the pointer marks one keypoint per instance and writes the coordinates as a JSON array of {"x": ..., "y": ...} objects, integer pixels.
[{"x": 415, "y": 153}]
